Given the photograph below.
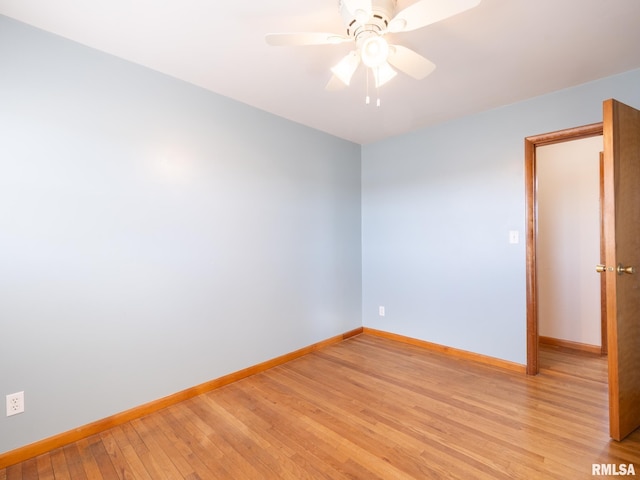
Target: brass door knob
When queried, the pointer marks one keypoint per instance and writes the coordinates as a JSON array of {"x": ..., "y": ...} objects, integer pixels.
[
  {"x": 601, "y": 268},
  {"x": 621, "y": 270}
]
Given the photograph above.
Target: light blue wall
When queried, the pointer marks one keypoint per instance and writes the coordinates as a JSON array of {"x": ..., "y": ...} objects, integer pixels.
[
  {"x": 437, "y": 206},
  {"x": 154, "y": 236}
]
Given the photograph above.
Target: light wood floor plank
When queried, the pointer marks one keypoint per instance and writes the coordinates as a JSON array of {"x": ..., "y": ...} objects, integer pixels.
[
  {"x": 30, "y": 469},
  {"x": 366, "y": 408},
  {"x": 159, "y": 459},
  {"x": 85, "y": 457},
  {"x": 402, "y": 412},
  {"x": 270, "y": 421},
  {"x": 220, "y": 434},
  {"x": 282, "y": 452},
  {"x": 144, "y": 454},
  {"x": 60, "y": 467},
  {"x": 74, "y": 462},
  {"x": 45, "y": 469},
  {"x": 324, "y": 445},
  {"x": 367, "y": 433},
  {"x": 138, "y": 470},
  {"x": 185, "y": 462},
  {"x": 120, "y": 463},
  {"x": 105, "y": 465},
  {"x": 14, "y": 472},
  {"x": 198, "y": 442}
]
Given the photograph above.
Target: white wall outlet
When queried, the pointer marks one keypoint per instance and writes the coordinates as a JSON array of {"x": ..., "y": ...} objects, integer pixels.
[
  {"x": 15, "y": 403},
  {"x": 381, "y": 311}
]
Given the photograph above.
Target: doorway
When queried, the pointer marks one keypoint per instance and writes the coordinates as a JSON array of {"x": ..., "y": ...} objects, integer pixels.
[
  {"x": 533, "y": 277},
  {"x": 568, "y": 245}
]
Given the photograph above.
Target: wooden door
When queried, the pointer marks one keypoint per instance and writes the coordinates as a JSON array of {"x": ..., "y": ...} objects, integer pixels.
[{"x": 621, "y": 128}]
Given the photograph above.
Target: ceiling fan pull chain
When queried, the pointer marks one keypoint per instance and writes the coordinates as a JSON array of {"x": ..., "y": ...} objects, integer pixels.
[{"x": 367, "y": 99}]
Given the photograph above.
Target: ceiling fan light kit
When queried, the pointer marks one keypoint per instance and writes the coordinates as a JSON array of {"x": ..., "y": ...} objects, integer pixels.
[
  {"x": 374, "y": 51},
  {"x": 366, "y": 23},
  {"x": 383, "y": 74},
  {"x": 345, "y": 69}
]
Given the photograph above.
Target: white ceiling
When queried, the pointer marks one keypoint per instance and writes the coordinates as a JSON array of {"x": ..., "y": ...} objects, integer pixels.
[{"x": 498, "y": 53}]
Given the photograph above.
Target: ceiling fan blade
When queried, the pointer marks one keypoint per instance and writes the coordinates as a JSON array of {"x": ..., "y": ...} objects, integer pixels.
[
  {"x": 346, "y": 67},
  {"x": 304, "y": 38},
  {"x": 410, "y": 62},
  {"x": 362, "y": 10},
  {"x": 426, "y": 12}
]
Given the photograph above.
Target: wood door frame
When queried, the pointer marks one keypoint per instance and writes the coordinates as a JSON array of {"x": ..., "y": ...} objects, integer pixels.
[
  {"x": 531, "y": 200},
  {"x": 604, "y": 336}
]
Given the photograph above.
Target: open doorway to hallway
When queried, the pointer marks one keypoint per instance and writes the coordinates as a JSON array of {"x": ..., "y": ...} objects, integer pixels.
[
  {"x": 568, "y": 180},
  {"x": 561, "y": 275}
]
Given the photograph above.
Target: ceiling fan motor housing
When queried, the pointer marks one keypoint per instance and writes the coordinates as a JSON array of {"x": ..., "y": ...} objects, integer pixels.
[{"x": 382, "y": 12}]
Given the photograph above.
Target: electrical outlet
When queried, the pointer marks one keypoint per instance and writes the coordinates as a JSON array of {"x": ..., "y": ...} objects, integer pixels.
[{"x": 15, "y": 403}]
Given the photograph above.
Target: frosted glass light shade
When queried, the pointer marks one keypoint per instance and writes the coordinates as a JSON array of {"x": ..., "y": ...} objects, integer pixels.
[
  {"x": 375, "y": 51},
  {"x": 383, "y": 74},
  {"x": 345, "y": 69}
]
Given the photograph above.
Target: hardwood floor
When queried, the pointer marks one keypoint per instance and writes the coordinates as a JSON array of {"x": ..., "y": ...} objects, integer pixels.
[{"x": 366, "y": 408}]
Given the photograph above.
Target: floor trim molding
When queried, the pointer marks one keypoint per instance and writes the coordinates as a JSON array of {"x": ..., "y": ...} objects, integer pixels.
[
  {"x": 568, "y": 344},
  {"x": 454, "y": 352},
  {"x": 46, "y": 445}
]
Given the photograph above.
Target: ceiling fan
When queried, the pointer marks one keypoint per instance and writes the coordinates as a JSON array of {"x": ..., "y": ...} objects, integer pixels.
[{"x": 367, "y": 22}]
